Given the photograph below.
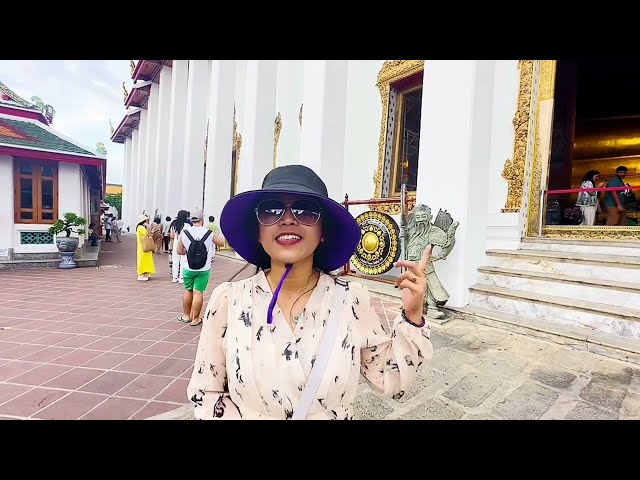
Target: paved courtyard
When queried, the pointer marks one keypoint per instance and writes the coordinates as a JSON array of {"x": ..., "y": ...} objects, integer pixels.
[{"x": 93, "y": 343}]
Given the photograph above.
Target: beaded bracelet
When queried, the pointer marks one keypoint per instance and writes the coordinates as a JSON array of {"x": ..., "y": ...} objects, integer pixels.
[{"x": 406, "y": 319}]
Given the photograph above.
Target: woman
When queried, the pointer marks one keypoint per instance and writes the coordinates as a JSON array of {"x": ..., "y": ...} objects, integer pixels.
[
  {"x": 263, "y": 355},
  {"x": 146, "y": 266},
  {"x": 174, "y": 233},
  {"x": 588, "y": 201}
]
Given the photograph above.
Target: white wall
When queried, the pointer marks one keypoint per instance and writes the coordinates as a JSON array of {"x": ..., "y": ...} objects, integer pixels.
[
  {"x": 6, "y": 205},
  {"x": 362, "y": 129},
  {"x": 241, "y": 83},
  {"x": 502, "y": 228}
]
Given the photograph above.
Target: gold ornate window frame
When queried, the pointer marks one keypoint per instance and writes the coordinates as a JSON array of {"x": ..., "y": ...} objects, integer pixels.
[
  {"x": 391, "y": 72},
  {"x": 536, "y": 97}
]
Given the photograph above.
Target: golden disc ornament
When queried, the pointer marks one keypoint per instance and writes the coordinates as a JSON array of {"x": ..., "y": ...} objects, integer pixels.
[{"x": 379, "y": 246}]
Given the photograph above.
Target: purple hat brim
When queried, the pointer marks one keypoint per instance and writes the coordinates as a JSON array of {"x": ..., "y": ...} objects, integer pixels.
[{"x": 239, "y": 225}]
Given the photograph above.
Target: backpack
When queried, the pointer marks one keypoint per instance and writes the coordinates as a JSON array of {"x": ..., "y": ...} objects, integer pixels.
[{"x": 197, "y": 254}]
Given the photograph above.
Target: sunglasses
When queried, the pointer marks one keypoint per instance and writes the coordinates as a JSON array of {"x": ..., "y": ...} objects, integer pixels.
[{"x": 307, "y": 212}]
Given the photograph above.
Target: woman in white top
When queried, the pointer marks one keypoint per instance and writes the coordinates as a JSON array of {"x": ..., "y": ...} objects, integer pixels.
[
  {"x": 588, "y": 201},
  {"x": 261, "y": 336}
]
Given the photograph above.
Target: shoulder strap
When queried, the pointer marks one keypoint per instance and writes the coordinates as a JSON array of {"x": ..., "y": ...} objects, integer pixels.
[
  {"x": 186, "y": 232},
  {"x": 317, "y": 371},
  {"x": 204, "y": 237}
]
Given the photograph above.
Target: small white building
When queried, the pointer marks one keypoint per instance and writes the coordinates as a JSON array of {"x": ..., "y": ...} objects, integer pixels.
[{"x": 43, "y": 175}]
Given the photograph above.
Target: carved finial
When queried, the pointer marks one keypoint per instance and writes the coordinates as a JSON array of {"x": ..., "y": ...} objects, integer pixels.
[
  {"x": 111, "y": 127},
  {"x": 276, "y": 136},
  {"x": 133, "y": 66},
  {"x": 300, "y": 115},
  {"x": 124, "y": 89}
]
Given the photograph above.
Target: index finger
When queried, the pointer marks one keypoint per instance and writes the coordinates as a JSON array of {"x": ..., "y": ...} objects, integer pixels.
[{"x": 424, "y": 260}]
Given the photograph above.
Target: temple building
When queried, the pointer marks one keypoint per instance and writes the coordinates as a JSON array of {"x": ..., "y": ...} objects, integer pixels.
[
  {"x": 43, "y": 175},
  {"x": 501, "y": 146}
]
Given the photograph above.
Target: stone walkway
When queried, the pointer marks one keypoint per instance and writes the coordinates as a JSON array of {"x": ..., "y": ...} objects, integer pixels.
[
  {"x": 480, "y": 372},
  {"x": 93, "y": 343}
]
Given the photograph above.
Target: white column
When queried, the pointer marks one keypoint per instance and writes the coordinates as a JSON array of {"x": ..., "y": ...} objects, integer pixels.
[
  {"x": 218, "y": 174},
  {"x": 143, "y": 168},
  {"x": 135, "y": 179},
  {"x": 453, "y": 167},
  {"x": 6, "y": 205},
  {"x": 323, "y": 127},
  {"x": 177, "y": 117},
  {"x": 195, "y": 132},
  {"x": 289, "y": 90},
  {"x": 256, "y": 158},
  {"x": 162, "y": 142},
  {"x": 126, "y": 182},
  {"x": 151, "y": 160}
]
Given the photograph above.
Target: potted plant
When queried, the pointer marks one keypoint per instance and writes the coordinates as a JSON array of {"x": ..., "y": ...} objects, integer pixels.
[{"x": 67, "y": 245}]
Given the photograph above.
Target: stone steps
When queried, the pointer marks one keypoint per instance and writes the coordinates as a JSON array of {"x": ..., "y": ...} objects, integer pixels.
[
  {"x": 609, "y": 345},
  {"x": 46, "y": 263},
  {"x": 625, "y": 248},
  {"x": 622, "y": 294},
  {"x": 618, "y": 268}
]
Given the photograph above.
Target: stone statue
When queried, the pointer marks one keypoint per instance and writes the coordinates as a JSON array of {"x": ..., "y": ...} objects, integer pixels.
[{"x": 441, "y": 233}]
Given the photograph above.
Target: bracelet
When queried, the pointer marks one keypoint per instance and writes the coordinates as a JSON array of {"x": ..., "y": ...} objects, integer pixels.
[{"x": 406, "y": 319}]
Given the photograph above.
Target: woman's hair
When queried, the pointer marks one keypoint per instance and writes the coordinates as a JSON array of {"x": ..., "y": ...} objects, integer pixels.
[
  {"x": 141, "y": 223},
  {"x": 178, "y": 223},
  {"x": 589, "y": 175},
  {"x": 156, "y": 220}
]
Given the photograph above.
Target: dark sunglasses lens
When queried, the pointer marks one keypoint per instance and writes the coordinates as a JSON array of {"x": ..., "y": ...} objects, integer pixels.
[
  {"x": 306, "y": 211},
  {"x": 270, "y": 211}
]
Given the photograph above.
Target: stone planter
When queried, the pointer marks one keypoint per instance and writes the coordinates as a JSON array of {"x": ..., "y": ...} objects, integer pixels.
[{"x": 67, "y": 247}]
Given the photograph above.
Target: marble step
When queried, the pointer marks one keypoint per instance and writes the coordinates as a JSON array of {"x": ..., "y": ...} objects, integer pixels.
[
  {"x": 622, "y": 294},
  {"x": 620, "y": 268},
  {"x": 582, "y": 246},
  {"x": 621, "y": 321},
  {"x": 612, "y": 346},
  {"x": 27, "y": 264}
]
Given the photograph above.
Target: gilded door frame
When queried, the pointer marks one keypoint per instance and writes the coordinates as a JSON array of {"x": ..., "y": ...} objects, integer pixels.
[
  {"x": 536, "y": 95},
  {"x": 391, "y": 72}
]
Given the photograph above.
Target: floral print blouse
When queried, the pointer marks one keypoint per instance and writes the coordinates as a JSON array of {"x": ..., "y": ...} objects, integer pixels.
[{"x": 246, "y": 368}]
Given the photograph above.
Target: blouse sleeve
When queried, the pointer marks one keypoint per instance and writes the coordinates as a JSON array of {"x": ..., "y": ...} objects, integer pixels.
[
  {"x": 208, "y": 389},
  {"x": 389, "y": 362}
]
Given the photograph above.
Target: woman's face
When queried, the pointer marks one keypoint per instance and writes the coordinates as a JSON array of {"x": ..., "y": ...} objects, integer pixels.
[
  {"x": 595, "y": 177},
  {"x": 290, "y": 239}
]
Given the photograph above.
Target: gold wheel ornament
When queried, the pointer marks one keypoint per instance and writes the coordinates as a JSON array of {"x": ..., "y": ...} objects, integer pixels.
[{"x": 379, "y": 246}]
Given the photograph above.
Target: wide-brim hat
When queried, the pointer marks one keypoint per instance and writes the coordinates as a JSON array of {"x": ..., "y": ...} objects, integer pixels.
[
  {"x": 142, "y": 218},
  {"x": 340, "y": 231}
]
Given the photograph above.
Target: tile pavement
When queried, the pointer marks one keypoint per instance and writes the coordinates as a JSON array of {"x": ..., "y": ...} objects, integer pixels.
[{"x": 94, "y": 343}]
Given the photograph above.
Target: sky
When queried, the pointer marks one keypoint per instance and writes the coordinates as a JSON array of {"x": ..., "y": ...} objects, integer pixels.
[{"x": 85, "y": 94}]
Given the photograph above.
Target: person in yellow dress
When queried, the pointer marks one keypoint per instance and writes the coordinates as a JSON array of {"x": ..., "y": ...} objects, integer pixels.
[{"x": 146, "y": 267}]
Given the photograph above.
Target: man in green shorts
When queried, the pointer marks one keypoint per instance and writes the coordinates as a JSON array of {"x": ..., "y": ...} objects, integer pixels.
[{"x": 196, "y": 265}]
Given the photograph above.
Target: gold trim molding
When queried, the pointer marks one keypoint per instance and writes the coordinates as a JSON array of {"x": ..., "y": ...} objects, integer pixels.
[
  {"x": 391, "y": 72},
  {"x": 235, "y": 147},
  {"x": 592, "y": 233},
  {"x": 277, "y": 128},
  {"x": 514, "y": 169}
]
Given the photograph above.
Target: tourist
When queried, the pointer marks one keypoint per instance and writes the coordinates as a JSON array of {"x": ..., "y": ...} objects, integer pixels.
[
  {"x": 146, "y": 267},
  {"x": 261, "y": 355},
  {"x": 166, "y": 225},
  {"x": 614, "y": 200},
  {"x": 196, "y": 265},
  {"x": 115, "y": 228},
  {"x": 176, "y": 259},
  {"x": 588, "y": 201}
]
